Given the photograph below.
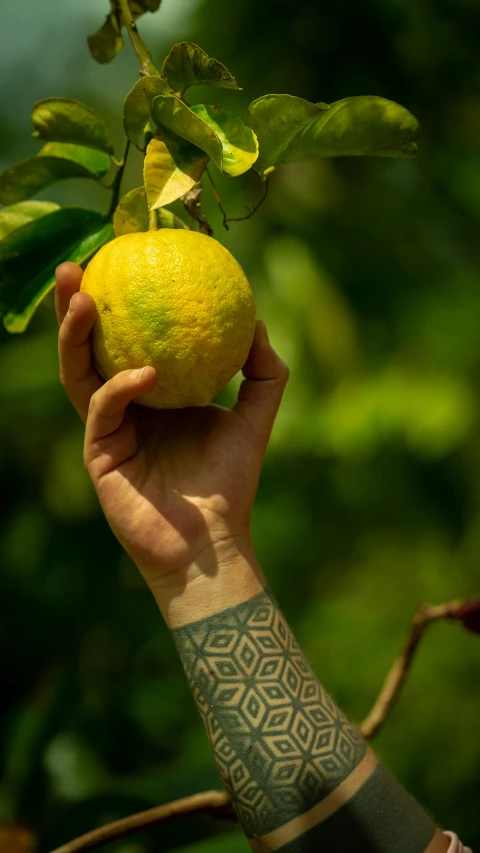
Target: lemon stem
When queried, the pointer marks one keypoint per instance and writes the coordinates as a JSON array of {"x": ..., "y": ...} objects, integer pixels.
[
  {"x": 152, "y": 221},
  {"x": 147, "y": 64}
]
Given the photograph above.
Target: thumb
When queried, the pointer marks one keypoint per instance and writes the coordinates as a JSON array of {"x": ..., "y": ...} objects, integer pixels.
[{"x": 261, "y": 391}]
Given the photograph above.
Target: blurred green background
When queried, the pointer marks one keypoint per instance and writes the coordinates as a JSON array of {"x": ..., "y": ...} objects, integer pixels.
[{"x": 367, "y": 273}]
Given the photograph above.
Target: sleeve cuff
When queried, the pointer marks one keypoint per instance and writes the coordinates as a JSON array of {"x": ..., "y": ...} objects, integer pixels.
[{"x": 455, "y": 845}]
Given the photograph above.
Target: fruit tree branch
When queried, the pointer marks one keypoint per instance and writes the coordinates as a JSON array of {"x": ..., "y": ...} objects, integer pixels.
[
  {"x": 209, "y": 802},
  {"x": 218, "y": 200},
  {"x": 193, "y": 206},
  {"x": 147, "y": 64},
  {"x": 397, "y": 674},
  {"x": 251, "y": 210},
  {"x": 217, "y": 804}
]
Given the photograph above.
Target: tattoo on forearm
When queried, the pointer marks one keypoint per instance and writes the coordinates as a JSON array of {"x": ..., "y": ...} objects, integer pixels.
[
  {"x": 280, "y": 743},
  {"x": 380, "y": 818}
]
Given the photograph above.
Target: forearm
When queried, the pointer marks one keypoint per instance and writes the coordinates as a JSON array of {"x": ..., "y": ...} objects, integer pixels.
[{"x": 299, "y": 774}]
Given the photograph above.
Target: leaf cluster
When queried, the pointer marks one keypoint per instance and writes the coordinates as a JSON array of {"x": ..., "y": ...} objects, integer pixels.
[
  {"x": 178, "y": 142},
  {"x": 107, "y": 42},
  {"x": 38, "y": 235}
]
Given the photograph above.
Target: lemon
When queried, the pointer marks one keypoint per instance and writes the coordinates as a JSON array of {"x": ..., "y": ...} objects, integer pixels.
[{"x": 176, "y": 300}]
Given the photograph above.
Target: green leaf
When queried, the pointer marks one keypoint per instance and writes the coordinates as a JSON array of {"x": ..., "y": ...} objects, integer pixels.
[
  {"x": 136, "y": 109},
  {"x": 107, "y": 42},
  {"x": 365, "y": 126},
  {"x": 132, "y": 214},
  {"x": 65, "y": 120},
  {"x": 138, "y": 7},
  {"x": 96, "y": 162},
  {"x": 167, "y": 219},
  {"x": 290, "y": 129},
  {"x": 218, "y": 132},
  {"x": 239, "y": 143},
  {"x": 172, "y": 167},
  {"x": 55, "y": 161},
  {"x": 187, "y": 65},
  {"x": 16, "y": 215},
  {"x": 275, "y": 119},
  {"x": 171, "y": 113},
  {"x": 30, "y": 255}
]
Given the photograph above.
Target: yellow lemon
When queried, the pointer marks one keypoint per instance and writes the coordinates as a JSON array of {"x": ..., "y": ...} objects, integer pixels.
[{"x": 174, "y": 299}]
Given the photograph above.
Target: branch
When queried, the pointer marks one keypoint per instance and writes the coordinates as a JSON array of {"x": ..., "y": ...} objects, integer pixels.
[
  {"x": 193, "y": 206},
  {"x": 209, "y": 802},
  {"x": 251, "y": 210},
  {"x": 219, "y": 201},
  {"x": 147, "y": 64},
  {"x": 395, "y": 679}
]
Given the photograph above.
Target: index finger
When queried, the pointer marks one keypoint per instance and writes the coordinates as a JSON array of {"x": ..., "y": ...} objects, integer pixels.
[
  {"x": 68, "y": 279},
  {"x": 76, "y": 313}
]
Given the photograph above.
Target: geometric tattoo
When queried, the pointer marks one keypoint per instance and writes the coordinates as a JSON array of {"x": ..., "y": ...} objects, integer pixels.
[
  {"x": 381, "y": 817},
  {"x": 280, "y": 743}
]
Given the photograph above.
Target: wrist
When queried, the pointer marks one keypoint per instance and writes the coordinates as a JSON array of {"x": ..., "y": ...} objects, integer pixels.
[{"x": 224, "y": 574}]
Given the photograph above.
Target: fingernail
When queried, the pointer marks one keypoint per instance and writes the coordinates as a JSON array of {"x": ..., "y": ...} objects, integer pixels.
[
  {"x": 264, "y": 339},
  {"x": 138, "y": 374},
  {"x": 73, "y": 304}
]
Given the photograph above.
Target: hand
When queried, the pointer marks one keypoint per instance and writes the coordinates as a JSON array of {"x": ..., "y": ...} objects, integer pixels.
[{"x": 177, "y": 486}]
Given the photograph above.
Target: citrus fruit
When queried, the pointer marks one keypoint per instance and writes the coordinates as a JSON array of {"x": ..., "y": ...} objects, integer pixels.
[{"x": 174, "y": 299}]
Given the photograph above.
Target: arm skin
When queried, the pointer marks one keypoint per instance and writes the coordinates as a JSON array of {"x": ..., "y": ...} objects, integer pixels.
[{"x": 177, "y": 488}]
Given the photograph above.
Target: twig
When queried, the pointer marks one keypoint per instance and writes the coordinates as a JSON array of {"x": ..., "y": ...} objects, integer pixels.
[
  {"x": 147, "y": 64},
  {"x": 193, "y": 206},
  {"x": 152, "y": 220},
  {"x": 209, "y": 802},
  {"x": 253, "y": 209},
  {"x": 395, "y": 679},
  {"x": 219, "y": 201}
]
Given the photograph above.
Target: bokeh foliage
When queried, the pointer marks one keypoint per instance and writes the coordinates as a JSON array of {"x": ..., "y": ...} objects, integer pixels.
[{"x": 367, "y": 273}]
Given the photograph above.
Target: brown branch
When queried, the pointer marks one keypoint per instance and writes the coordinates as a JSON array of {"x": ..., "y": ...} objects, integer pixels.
[
  {"x": 395, "y": 679},
  {"x": 251, "y": 210},
  {"x": 193, "y": 206},
  {"x": 214, "y": 803},
  {"x": 219, "y": 201}
]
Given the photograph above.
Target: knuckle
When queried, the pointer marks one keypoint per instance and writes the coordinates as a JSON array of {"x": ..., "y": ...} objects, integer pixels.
[
  {"x": 93, "y": 404},
  {"x": 86, "y": 457},
  {"x": 61, "y": 336},
  {"x": 64, "y": 331},
  {"x": 284, "y": 371},
  {"x": 63, "y": 378},
  {"x": 91, "y": 452}
]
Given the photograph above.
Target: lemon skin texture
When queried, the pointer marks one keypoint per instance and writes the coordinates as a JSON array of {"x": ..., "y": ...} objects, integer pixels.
[{"x": 176, "y": 300}]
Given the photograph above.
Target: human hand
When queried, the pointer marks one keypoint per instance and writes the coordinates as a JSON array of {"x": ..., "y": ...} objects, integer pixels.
[{"x": 176, "y": 486}]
